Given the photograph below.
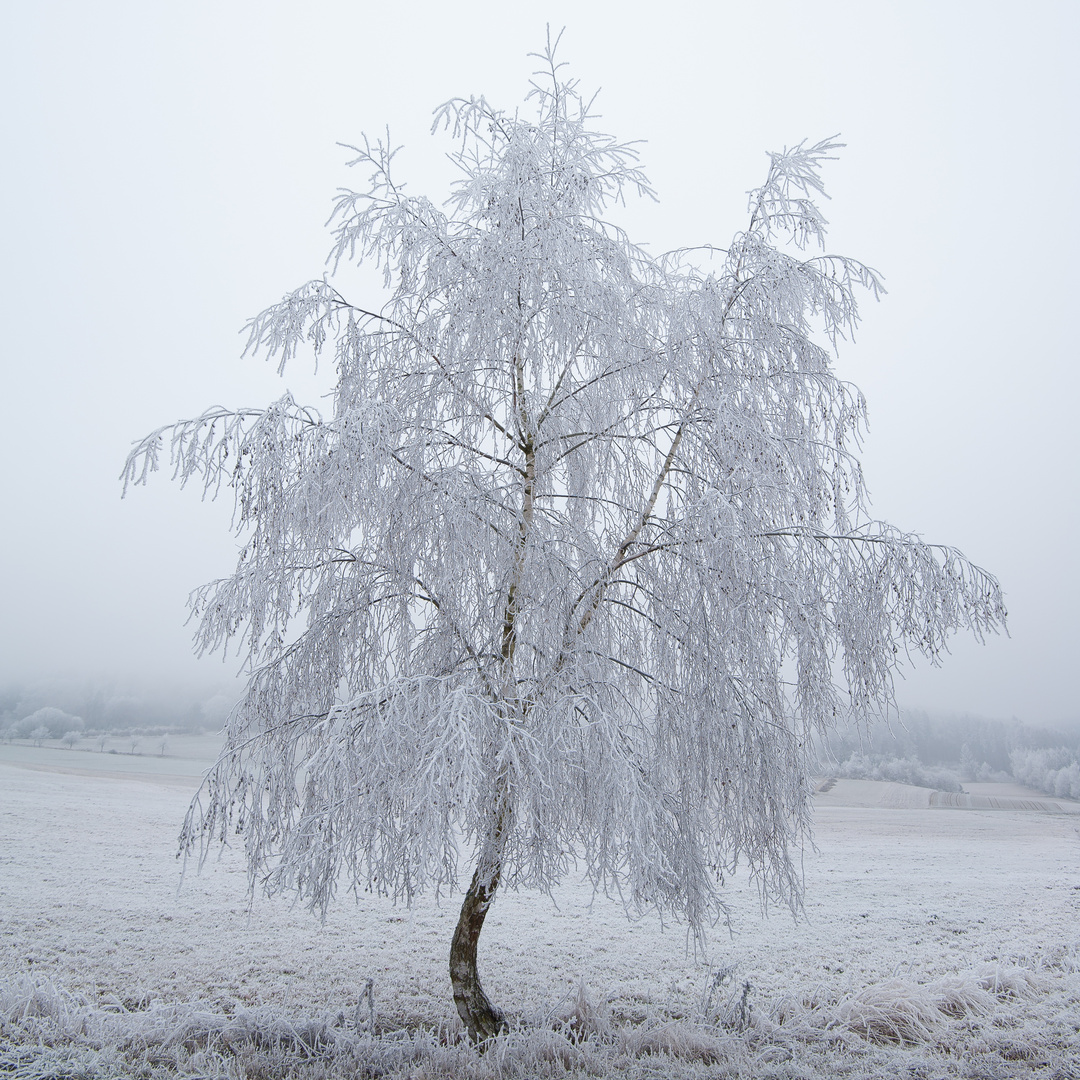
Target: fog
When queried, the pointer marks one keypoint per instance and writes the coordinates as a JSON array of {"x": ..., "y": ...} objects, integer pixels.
[{"x": 168, "y": 170}]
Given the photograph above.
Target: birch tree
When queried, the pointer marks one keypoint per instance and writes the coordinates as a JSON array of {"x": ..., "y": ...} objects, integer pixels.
[{"x": 580, "y": 556}]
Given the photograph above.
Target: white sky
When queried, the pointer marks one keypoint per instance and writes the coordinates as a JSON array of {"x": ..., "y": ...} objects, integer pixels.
[{"x": 167, "y": 169}]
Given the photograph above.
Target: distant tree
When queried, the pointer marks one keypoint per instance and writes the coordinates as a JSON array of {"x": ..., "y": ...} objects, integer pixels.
[
  {"x": 71, "y": 738},
  {"x": 124, "y": 711},
  {"x": 969, "y": 767},
  {"x": 214, "y": 711},
  {"x": 39, "y": 734},
  {"x": 573, "y": 555},
  {"x": 11, "y": 695}
]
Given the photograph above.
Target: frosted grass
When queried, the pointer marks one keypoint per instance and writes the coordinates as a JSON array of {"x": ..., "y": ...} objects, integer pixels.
[{"x": 937, "y": 940}]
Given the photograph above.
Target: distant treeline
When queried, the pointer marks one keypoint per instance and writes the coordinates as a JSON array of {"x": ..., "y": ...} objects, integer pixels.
[
  {"x": 53, "y": 709},
  {"x": 938, "y": 752},
  {"x": 1055, "y": 770},
  {"x": 944, "y": 751}
]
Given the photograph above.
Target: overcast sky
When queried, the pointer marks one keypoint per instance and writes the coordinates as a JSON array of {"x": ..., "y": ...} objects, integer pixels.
[{"x": 168, "y": 169}]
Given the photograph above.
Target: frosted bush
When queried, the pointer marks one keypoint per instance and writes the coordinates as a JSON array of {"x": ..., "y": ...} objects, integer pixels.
[
  {"x": 908, "y": 770},
  {"x": 1067, "y": 782},
  {"x": 987, "y": 774},
  {"x": 55, "y": 723}
]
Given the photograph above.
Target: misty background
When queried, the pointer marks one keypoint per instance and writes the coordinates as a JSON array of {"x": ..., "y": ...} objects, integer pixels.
[{"x": 168, "y": 170}]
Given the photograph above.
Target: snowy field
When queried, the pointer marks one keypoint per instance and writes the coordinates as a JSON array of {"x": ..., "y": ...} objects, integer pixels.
[{"x": 937, "y": 940}]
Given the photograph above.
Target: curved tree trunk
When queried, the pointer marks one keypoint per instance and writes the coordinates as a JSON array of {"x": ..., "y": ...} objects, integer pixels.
[{"x": 482, "y": 1019}]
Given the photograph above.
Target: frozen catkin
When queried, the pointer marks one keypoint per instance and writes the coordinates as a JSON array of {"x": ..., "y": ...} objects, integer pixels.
[{"x": 578, "y": 558}]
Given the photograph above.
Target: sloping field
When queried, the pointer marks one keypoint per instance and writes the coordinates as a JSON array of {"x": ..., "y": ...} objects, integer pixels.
[
  {"x": 933, "y": 943},
  {"x": 872, "y": 793},
  {"x": 188, "y": 759},
  {"x": 881, "y": 793}
]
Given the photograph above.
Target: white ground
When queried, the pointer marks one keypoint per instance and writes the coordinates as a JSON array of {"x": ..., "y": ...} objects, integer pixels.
[{"x": 896, "y": 890}]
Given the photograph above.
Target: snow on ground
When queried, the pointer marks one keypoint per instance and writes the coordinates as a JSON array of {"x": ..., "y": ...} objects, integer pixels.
[{"x": 902, "y": 899}]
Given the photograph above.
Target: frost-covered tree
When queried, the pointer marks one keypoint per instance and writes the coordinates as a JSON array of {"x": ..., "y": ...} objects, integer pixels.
[{"x": 580, "y": 555}]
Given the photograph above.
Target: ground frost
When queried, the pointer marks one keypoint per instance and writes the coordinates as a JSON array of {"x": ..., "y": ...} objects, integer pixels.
[{"x": 936, "y": 943}]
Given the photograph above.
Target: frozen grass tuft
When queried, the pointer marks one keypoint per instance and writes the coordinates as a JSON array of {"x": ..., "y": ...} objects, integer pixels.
[
  {"x": 892, "y": 1011},
  {"x": 1010, "y": 982},
  {"x": 683, "y": 1041},
  {"x": 996, "y": 1019},
  {"x": 578, "y": 1016},
  {"x": 957, "y": 996}
]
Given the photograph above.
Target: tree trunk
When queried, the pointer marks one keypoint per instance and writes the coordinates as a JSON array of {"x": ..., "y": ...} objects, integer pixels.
[{"x": 482, "y": 1019}]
